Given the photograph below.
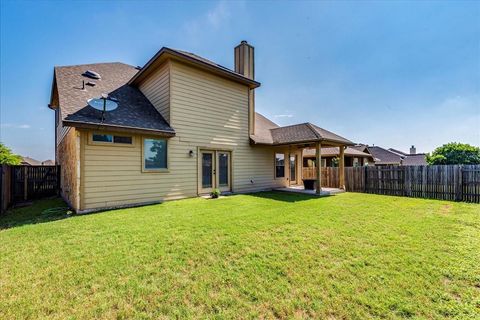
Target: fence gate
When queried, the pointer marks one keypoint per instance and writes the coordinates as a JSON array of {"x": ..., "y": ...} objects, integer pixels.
[{"x": 34, "y": 182}]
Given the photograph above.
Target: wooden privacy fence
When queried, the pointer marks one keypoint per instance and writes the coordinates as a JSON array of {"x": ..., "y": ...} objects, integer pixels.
[
  {"x": 23, "y": 183},
  {"x": 449, "y": 182}
]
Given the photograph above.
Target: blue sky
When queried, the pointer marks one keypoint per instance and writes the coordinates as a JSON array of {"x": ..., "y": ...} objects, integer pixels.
[{"x": 386, "y": 73}]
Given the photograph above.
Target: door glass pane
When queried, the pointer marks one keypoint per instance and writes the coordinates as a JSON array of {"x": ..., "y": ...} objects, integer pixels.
[
  {"x": 292, "y": 168},
  {"x": 207, "y": 167},
  {"x": 223, "y": 169},
  {"x": 279, "y": 165}
]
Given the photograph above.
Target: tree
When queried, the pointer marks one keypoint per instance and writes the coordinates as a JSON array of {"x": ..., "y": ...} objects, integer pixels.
[
  {"x": 7, "y": 157},
  {"x": 455, "y": 153}
]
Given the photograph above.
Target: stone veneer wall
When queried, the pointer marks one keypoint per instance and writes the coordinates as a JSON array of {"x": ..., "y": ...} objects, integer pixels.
[{"x": 67, "y": 151}]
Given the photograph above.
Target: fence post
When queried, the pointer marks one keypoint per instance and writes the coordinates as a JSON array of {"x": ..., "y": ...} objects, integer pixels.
[
  {"x": 365, "y": 179},
  {"x": 25, "y": 183},
  {"x": 459, "y": 185},
  {"x": 2, "y": 198},
  {"x": 57, "y": 167},
  {"x": 408, "y": 182}
]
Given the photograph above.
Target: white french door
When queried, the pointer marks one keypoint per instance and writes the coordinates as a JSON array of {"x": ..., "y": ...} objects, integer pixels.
[{"x": 215, "y": 171}]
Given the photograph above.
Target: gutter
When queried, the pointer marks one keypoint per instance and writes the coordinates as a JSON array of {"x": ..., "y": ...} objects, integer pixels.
[{"x": 103, "y": 126}]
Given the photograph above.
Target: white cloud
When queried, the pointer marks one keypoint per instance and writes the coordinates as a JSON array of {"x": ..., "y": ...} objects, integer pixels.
[
  {"x": 15, "y": 126},
  {"x": 283, "y": 116},
  {"x": 218, "y": 15},
  {"x": 211, "y": 22}
]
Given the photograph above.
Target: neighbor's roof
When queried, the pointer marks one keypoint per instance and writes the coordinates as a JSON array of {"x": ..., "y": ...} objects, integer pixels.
[
  {"x": 134, "y": 110},
  {"x": 267, "y": 132},
  {"x": 398, "y": 152},
  {"x": 335, "y": 151},
  {"x": 192, "y": 59},
  {"x": 384, "y": 156},
  {"x": 418, "y": 159},
  {"x": 31, "y": 161},
  {"x": 48, "y": 162}
]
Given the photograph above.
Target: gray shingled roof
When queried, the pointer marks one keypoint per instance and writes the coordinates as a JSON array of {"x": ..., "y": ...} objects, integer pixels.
[
  {"x": 397, "y": 151},
  {"x": 391, "y": 156},
  {"x": 263, "y": 126},
  {"x": 267, "y": 132},
  {"x": 134, "y": 110},
  {"x": 418, "y": 159},
  {"x": 384, "y": 156}
]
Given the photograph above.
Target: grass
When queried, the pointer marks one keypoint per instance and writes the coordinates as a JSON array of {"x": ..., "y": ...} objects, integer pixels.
[{"x": 269, "y": 255}]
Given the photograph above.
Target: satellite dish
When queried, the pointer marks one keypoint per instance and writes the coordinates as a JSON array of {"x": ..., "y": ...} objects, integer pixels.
[{"x": 103, "y": 104}]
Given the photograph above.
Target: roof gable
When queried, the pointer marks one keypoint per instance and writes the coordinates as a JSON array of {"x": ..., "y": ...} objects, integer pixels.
[{"x": 193, "y": 60}]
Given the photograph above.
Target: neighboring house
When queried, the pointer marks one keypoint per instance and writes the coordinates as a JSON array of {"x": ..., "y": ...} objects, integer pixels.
[
  {"x": 48, "y": 163},
  {"x": 394, "y": 157},
  {"x": 27, "y": 161},
  {"x": 353, "y": 157},
  {"x": 183, "y": 126}
]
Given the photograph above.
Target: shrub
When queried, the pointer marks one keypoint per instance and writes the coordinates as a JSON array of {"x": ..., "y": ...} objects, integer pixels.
[{"x": 215, "y": 193}]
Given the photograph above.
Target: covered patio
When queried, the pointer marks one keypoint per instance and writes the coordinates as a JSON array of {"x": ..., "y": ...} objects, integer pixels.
[{"x": 295, "y": 139}]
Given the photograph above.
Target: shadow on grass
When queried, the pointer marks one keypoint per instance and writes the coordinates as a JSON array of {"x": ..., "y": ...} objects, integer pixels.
[
  {"x": 39, "y": 211},
  {"x": 286, "y": 196}
]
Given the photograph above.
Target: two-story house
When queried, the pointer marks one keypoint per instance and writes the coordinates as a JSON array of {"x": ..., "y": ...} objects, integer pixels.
[{"x": 178, "y": 127}]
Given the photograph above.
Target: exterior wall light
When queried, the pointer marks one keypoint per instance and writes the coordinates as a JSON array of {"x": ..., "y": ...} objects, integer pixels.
[{"x": 190, "y": 153}]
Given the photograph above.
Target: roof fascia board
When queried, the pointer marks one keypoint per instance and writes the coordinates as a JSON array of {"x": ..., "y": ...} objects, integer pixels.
[
  {"x": 93, "y": 126},
  {"x": 53, "y": 91},
  {"x": 329, "y": 143}
]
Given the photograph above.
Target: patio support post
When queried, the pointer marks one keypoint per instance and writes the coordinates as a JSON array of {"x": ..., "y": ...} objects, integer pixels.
[
  {"x": 341, "y": 174},
  {"x": 318, "y": 162}
]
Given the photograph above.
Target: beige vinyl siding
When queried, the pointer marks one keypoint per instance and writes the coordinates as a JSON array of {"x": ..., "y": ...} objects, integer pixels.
[
  {"x": 113, "y": 175},
  {"x": 206, "y": 111},
  {"x": 212, "y": 112},
  {"x": 157, "y": 89}
]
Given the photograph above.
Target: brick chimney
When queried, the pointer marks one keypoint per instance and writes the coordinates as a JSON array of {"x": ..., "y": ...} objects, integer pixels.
[
  {"x": 413, "y": 150},
  {"x": 245, "y": 65}
]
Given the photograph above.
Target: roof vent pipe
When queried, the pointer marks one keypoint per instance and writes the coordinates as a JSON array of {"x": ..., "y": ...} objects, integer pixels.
[{"x": 92, "y": 74}]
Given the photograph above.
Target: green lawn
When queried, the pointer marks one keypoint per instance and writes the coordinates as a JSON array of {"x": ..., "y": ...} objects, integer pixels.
[{"x": 269, "y": 255}]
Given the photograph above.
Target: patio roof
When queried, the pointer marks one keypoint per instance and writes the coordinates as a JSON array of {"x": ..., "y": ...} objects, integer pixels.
[{"x": 269, "y": 133}]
